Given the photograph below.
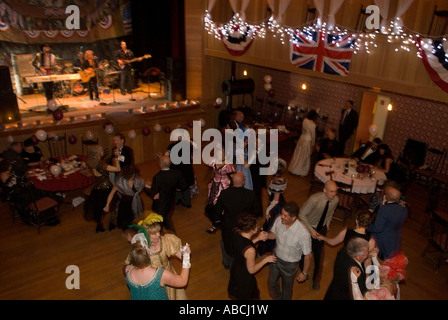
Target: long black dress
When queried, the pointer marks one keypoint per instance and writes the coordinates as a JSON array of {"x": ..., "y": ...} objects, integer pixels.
[{"x": 242, "y": 284}]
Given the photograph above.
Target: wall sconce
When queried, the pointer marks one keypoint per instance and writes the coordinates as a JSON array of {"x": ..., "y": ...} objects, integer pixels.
[
  {"x": 389, "y": 107},
  {"x": 304, "y": 87},
  {"x": 245, "y": 73}
]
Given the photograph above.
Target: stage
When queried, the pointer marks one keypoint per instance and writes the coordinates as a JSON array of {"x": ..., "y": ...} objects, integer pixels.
[
  {"x": 33, "y": 107},
  {"x": 147, "y": 108}
]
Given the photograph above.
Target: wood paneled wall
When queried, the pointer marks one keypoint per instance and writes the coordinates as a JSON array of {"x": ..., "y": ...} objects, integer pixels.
[{"x": 383, "y": 68}]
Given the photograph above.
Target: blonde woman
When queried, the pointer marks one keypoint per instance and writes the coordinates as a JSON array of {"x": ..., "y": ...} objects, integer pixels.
[
  {"x": 93, "y": 207},
  {"x": 90, "y": 65}
]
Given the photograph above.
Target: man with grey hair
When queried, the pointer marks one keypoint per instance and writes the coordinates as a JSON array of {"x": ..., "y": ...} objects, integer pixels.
[
  {"x": 388, "y": 225},
  {"x": 352, "y": 255}
]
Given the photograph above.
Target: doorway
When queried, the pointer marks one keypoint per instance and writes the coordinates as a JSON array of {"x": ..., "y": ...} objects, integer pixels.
[{"x": 374, "y": 113}]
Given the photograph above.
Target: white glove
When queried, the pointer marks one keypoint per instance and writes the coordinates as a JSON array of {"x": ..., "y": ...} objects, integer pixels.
[
  {"x": 185, "y": 257},
  {"x": 269, "y": 208}
]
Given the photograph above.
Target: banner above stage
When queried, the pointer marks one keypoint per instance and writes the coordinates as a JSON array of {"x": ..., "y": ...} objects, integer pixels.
[{"x": 51, "y": 23}]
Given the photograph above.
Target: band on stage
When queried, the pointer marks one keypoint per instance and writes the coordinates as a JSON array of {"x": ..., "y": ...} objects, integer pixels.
[{"x": 84, "y": 73}]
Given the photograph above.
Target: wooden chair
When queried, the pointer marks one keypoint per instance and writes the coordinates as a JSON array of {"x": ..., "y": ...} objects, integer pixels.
[
  {"x": 437, "y": 249},
  {"x": 348, "y": 201},
  {"x": 86, "y": 143},
  {"x": 425, "y": 173},
  {"x": 57, "y": 145},
  {"x": 440, "y": 178},
  {"x": 12, "y": 207},
  {"x": 42, "y": 211}
]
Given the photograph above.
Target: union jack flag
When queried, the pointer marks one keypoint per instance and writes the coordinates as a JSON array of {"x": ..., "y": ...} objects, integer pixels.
[{"x": 322, "y": 52}]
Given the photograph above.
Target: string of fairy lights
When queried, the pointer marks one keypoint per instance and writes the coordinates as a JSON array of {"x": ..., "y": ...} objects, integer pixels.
[{"x": 396, "y": 33}]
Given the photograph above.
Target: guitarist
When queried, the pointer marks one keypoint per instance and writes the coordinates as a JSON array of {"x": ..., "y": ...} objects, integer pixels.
[
  {"x": 90, "y": 66},
  {"x": 126, "y": 79},
  {"x": 44, "y": 63}
]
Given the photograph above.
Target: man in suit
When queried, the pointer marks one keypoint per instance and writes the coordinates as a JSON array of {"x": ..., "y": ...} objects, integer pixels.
[
  {"x": 163, "y": 190},
  {"x": 353, "y": 255},
  {"x": 232, "y": 203},
  {"x": 368, "y": 153},
  {"x": 316, "y": 215},
  {"x": 122, "y": 152},
  {"x": 348, "y": 124},
  {"x": 388, "y": 225}
]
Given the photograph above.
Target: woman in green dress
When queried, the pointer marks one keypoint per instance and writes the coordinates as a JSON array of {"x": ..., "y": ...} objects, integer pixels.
[{"x": 148, "y": 283}]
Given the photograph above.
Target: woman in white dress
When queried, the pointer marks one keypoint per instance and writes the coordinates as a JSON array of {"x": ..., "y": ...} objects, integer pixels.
[{"x": 301, "y": 159}]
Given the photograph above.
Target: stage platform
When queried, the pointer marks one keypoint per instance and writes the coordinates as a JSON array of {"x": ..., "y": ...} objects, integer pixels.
[
  {"x": 33, "y": 107},
  {"x": 147, "y": 108}
]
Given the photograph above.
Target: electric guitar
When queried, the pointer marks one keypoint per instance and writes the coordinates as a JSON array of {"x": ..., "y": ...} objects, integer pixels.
[
  {"x": 87, "y": 74},
  {"x": 123, "y": 63}
]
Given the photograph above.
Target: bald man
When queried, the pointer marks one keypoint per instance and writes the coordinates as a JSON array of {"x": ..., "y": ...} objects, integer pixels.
[
  {"x": 316, "y": 214},
  {"x": 388, "y": 226},
  {"x": 231, "y": 204},
  {"x": 163, "y": 191}
]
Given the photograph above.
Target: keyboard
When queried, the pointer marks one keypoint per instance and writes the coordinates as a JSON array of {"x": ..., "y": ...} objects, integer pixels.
[{"x": 53, "y": 77}]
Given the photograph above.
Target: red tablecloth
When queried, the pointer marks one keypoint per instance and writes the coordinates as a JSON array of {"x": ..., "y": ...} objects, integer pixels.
[{"x": 76, "y": 180}]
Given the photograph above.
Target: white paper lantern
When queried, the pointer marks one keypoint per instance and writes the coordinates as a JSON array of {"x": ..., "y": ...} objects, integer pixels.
[
  {"x": 52, "y": 105},
  {"x": 218, "y": 101},
  {"x": 89, "y": 135},
  {"x": 157, "y": 127},
  {"x": 132, "y": 134},
  {"x": 41, "y": 135},
  {"x": 267, "y": 86},
  {"x": 55, "y": 170},
  {"x": 109, "y": 129}
]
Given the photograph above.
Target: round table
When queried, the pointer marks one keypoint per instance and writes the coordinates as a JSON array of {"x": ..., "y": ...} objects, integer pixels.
[
  {"x": 333, "y": 169},
  {"x": 66, "y": 181}
]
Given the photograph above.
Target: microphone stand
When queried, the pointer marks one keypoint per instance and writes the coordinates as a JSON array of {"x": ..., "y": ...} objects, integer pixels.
[
  {"x": 132, "y": 84},
  {"x": 102, "y": 103}
]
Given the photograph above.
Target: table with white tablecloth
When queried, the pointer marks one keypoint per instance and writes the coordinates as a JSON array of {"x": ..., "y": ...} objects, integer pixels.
[{"x": 333, "y": 169}]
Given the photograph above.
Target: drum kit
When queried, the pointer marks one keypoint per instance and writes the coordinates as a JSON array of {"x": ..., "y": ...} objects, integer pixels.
[{"x": 107, "y": 76}]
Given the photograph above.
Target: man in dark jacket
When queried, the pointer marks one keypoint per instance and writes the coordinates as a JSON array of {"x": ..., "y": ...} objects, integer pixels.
[
  {"x": 232, "y": 203},
  {"x": 163, "y": 190},
  {"x": 368, "y": 153},
  {"x": 353, "y": 255},
  {"x": 348, "y": 124}
]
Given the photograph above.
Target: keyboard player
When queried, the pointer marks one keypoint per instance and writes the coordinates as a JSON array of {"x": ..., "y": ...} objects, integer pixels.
[{"x": 45, "y": 63}]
